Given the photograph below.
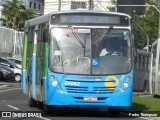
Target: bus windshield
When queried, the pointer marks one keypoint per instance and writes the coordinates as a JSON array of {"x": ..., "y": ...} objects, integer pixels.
[{"x": 90, "y": 51}]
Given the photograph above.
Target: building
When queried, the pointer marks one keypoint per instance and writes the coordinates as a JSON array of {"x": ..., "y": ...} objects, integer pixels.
[
  {"x": 62, "y": 5},
  {"x": 36, "y": 5}
]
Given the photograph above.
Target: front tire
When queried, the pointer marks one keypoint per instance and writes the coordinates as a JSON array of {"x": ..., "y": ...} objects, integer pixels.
[
  {"x": 114, "y": 111},
  {"x": 32, "y": 102},
  {"x": 1, "y": 76}
]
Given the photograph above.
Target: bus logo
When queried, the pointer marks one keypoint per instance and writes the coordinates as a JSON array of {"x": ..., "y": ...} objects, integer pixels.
[{"x": 95, "y": 62}]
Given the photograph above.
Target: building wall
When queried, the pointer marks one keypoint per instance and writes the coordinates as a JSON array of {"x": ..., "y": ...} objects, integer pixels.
[
  {"x": 36, "y": 5},
  {"x": 53, "y": 5}
]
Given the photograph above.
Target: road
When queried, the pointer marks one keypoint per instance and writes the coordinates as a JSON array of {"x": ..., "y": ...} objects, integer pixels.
[{"x": 13, "y": 100}]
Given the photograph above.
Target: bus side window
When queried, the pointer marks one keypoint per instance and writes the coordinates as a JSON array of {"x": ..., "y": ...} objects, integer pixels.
[{"x": 45, "y": 35}]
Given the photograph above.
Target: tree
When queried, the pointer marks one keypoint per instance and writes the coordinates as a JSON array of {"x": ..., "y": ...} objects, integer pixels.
[
  {"x": 15, "y": 14},
  {"x": 113, "y": 8},
  {"x": 149, "y": 22}
]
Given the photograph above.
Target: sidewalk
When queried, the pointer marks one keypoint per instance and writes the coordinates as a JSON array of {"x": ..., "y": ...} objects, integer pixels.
[{"x": 142, "y": 94}]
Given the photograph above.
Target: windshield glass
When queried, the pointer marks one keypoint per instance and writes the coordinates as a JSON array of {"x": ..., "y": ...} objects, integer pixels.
[{"x": 89, "y": 51}]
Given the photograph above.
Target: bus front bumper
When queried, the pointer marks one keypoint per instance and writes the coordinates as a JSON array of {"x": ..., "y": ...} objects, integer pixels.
[{"x": 61, "y": 98}]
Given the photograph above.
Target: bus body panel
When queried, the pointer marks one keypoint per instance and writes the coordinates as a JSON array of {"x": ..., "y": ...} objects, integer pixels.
[{"x": 72, "y": 90}]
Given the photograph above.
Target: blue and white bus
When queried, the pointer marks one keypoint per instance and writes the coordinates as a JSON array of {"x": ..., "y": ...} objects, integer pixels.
[{"x": 62, "y": 65}]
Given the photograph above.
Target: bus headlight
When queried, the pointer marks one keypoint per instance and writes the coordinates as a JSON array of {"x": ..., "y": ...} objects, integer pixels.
[
  {"x": 52, "y": 77},
  {"x": 54, "y": 83},
  {"x": 125, "y": 85},
  {"x": 128, "y": 79}
]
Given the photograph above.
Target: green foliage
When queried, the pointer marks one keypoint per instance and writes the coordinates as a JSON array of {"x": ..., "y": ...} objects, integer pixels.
[
  {"x": 146, "y": 105},
  {"x": 149, "y": 23},
  {"x": 15, "y": 14},
  {"x": 112, "y": 8}
]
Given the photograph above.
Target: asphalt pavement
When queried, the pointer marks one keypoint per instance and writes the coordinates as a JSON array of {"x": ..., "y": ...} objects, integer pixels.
[{"x": 14, "y": 103}]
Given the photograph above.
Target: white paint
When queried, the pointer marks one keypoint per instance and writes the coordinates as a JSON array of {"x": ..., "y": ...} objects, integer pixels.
[
  {"x": 13, "y": 107},
  {"x": 43, "y": 118}
]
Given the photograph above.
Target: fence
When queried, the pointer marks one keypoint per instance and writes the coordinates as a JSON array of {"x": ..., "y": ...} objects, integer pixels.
[
  {"x": 11, "y": 42},
  {"x": 155, "y": 68},
  {"x": 141, "y": 74}
]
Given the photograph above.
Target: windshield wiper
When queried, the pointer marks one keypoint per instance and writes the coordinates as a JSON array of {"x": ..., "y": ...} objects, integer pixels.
[
  {"x": 76, "y": 36},
  {"x": 107, "y": 33}
]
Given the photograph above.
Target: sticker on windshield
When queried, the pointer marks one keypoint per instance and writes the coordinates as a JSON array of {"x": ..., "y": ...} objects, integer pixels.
[
  {"x": 57, "y": 52},
  {"x": 95, "y": 62},
  {"x": 83, "y": 30}
]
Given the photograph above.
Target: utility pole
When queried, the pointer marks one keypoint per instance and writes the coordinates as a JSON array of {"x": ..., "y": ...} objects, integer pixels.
[
  {"x": 90, "y": 4},
  {"x": 146, "y": 35},
  {"x": 59, "y": 5}
]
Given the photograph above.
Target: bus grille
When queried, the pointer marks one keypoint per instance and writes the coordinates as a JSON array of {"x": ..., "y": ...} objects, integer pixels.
[{"x": 87, "y": 90}]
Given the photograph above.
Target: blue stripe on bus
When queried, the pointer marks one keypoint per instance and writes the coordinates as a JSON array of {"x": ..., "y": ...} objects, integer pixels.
[
  {"x": 34, "y": 76},
  {"x": 24, "y": 81}
]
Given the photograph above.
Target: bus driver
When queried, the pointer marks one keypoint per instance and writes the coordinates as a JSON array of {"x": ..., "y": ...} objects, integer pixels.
[{"x": 108, "y": 50}]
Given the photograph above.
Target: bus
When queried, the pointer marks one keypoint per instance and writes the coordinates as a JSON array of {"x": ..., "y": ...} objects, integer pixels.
[{"x": 62, "y": 65}]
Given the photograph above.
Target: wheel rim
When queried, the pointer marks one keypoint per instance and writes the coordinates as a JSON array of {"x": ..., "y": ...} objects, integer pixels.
[{"x": 17, "y": 78}]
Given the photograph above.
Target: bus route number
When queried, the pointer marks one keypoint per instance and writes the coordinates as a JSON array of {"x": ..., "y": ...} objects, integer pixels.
[{"x": 70, "y": 83}]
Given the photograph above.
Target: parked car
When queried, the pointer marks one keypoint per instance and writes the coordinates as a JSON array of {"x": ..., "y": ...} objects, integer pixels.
[
  {"x": 6, "y": 73},
  {"x": 17, "y": 61},
  {"x": 13, "y": 66}
]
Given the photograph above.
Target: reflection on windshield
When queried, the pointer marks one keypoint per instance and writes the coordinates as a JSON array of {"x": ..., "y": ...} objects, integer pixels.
[
  {"x": 112, "y": 51},
  {"x": 67, "y": 54},
  {"x": 110, "y": 54}
]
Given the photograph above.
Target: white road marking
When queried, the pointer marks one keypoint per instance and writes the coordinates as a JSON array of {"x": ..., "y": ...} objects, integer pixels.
[
  {"x": 13, "y": 107},
  {"x": 9, "y": 90},
  {"x": 23, "y": 101},
  {"x": 147, "y": 118},
  {"x": 43, "y": 118}
]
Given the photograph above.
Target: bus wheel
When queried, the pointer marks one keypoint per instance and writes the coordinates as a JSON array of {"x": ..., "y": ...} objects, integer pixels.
[
  {"x": 114, "y": 111},
  {"x": 32, "y": 102},
  {"x": 1, "y": 76},
  {"x": 46, "y": 108}
]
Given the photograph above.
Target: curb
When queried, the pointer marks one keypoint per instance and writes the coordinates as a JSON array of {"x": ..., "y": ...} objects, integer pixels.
[{"x": 7, "y": 84}]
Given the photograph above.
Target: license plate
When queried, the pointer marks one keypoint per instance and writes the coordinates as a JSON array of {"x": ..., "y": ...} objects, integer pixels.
[{"x": 90, "y": 98}]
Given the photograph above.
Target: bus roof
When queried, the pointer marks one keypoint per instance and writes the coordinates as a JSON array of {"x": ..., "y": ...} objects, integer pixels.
[{"x": 45, "y": 18}]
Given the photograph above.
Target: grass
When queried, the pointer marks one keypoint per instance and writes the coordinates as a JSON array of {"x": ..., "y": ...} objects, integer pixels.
[{"x": 146, "y": 105}]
